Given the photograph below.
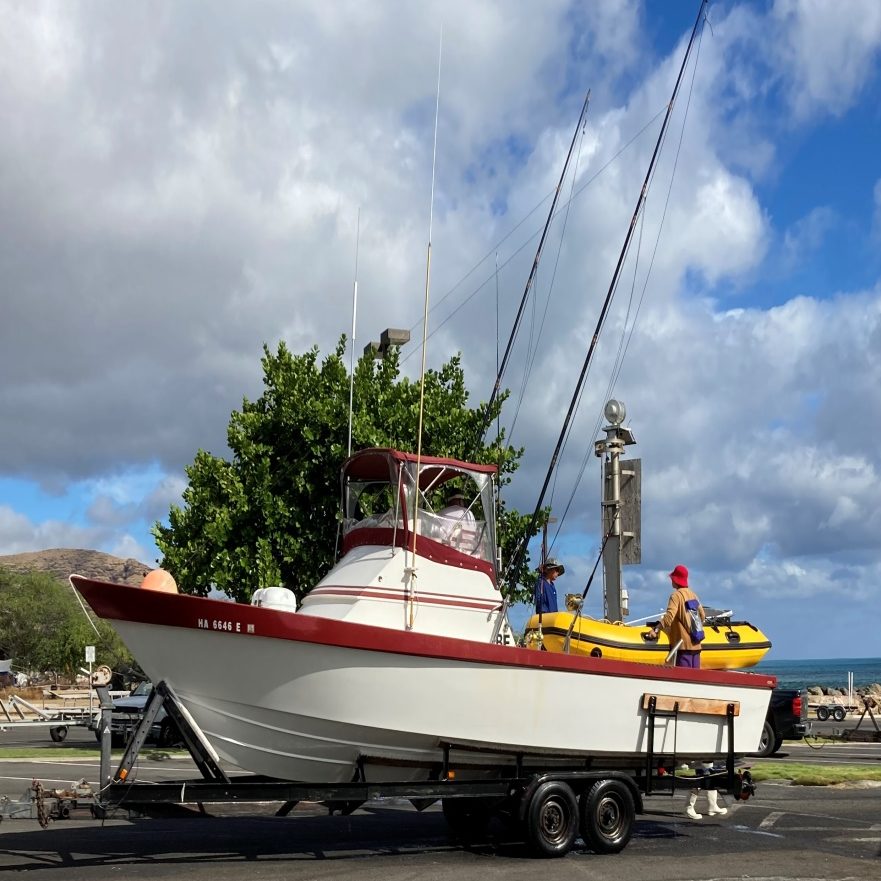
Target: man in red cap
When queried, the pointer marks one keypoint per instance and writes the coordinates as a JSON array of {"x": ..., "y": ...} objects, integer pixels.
[{"x": 677, "y": 620}]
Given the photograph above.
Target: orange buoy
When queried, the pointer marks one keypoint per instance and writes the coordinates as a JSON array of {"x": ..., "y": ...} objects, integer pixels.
[{"x": 161, "y": 580}]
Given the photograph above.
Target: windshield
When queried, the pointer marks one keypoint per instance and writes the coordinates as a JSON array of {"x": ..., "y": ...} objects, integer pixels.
[{"x": 452, "y": 502}]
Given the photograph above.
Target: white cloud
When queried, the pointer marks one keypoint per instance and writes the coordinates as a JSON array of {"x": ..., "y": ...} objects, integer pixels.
[
  {"x": 825, "y": 52},
  {"x": 806, "y": 235},
  {"x": 186, "y": 188},
  {"x": 19, "y": 534}
]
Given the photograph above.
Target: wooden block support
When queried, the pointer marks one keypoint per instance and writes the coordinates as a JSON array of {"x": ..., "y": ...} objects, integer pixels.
[{"x": 667, "y": 703}]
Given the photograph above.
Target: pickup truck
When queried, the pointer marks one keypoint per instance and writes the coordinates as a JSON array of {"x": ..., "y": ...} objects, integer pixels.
[
  {"x": 127, "y": 713},
  {"x": 786, "y": 720}
]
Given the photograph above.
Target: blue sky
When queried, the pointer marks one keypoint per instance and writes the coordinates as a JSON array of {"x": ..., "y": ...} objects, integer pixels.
[{"x": 186, "y": 189}]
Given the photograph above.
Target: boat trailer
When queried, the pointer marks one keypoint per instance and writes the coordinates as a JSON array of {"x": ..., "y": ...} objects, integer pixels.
[{"x": 548, "y": 806}]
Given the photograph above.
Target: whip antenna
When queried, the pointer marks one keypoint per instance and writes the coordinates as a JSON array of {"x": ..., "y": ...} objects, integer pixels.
[
  {"x": 354, "y": 319},
  {"x": 412, "y": 592}
]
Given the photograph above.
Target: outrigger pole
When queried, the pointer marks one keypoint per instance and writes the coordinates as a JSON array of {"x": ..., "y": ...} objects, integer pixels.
[{"x": 521, "y": 549}]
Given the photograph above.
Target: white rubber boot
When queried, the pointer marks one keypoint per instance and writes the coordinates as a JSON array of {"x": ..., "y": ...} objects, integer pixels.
[
  {"x": 690, "y": 811},
  {"x": 715, "y": 807}
]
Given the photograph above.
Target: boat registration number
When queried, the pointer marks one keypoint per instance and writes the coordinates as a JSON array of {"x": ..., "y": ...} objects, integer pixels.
[{"x": 220, "y": 624}]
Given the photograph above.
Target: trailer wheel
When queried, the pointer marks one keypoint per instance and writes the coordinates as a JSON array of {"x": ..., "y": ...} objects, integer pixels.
[
  {"x": 607, "y": 812},
  {"x": 822, "y": 713},
  {"x": 768, "y": 743},
  {"x": 552, "y": 819},
  {"x": 468, "y": 818},
  {"x": 838, "y": 714},
  {"x": 58, "y": 734}
]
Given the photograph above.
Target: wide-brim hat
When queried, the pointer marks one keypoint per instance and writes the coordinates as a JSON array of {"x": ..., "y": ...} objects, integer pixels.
[
  {"x": 679, "y": 576},
  {"x": 551, "y": 563}
]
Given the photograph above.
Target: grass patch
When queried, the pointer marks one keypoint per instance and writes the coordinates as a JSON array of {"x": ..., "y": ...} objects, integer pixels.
[
  {"x": 814, "y": 775},
  {"x": 48, "y": 753},
  {"x": 51, "y": 754}
]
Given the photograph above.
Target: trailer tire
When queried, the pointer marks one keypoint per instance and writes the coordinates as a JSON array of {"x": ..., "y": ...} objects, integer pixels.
[
  {"x": 822, "y": 713},
  {"x": 607, "y": 812},
  {"x": 768, "y": 744},
  {"x": 838, "y": 714},
  {"x": 552, "y": 819},
  {"x": 58, "y": 734},
  {"x": 468, "y": 818}
]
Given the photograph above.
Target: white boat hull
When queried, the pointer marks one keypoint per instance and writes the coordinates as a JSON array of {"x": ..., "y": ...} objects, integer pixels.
[{"x": 303, "y": 698}]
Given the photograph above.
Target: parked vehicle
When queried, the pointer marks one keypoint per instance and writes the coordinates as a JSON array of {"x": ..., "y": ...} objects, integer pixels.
[
  {"x": 127, "y": 713},
  {"x": 786, "y": 720}
]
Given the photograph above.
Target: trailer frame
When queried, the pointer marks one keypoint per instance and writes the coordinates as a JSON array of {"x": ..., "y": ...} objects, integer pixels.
[{"x": 549, "y": 806}]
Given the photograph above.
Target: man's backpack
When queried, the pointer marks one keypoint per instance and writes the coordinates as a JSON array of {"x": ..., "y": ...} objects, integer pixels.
[{"x": 693, "y": 617}]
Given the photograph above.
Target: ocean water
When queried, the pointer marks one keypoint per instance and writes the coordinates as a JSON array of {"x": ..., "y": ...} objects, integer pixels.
[{"x": 831, "y": 672}]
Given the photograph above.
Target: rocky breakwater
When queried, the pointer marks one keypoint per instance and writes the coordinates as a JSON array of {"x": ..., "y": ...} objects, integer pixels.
[{"x": 822, "y": 696}]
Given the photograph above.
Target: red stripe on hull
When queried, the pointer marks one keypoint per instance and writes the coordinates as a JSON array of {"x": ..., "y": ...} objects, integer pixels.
[{"x": 124, "y": 603}]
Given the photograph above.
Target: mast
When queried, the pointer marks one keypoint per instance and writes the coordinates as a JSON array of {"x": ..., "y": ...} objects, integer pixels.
[{"x": 521, "y": 550}]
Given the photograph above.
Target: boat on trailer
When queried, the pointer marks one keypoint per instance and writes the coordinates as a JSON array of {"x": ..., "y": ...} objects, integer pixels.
[
  {"x": 400, "y": 666},
  {"x": 403, "y": 649}
]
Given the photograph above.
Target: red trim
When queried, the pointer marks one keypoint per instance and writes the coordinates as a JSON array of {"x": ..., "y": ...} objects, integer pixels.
[
  {"x": 437, "y": 552},
  {"x": 123, "y": 603},
  {"x": 365, "y": 463}
]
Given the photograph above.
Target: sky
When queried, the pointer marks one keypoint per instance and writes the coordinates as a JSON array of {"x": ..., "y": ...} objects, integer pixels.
[{"x": 178, "y": 188}]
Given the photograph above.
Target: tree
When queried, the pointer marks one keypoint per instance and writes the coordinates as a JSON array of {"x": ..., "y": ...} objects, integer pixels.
[
  {"x": 43, "y": 628},
  {"x": 269, "y": 515}
]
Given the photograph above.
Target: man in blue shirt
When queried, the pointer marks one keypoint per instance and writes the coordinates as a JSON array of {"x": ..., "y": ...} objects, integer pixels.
[{"x": 545, "y": 592}]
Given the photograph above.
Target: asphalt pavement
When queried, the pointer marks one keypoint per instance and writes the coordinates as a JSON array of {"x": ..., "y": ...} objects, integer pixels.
[{"x": 784, "y": 832}]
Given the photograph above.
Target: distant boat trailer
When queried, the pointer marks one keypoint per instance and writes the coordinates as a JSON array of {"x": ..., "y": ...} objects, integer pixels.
[{"x": 18, "y": 712}]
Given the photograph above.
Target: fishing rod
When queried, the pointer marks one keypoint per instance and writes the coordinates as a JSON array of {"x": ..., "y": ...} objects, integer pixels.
[
  {"x": 500, "y": 372},
  {"x": 521, "y": 548}
]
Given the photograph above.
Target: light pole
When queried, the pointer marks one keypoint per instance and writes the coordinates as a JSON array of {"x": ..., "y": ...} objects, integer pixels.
[{"x": 612, "y": 447}]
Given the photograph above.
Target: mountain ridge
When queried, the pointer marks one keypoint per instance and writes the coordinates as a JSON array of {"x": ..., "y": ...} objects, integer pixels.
[{"x": 62, "y": 562}]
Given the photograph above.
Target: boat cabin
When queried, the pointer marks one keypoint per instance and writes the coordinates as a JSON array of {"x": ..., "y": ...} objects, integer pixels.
[
  {"x": 418, "y": 548},
  {"x": 448, "y": 505}
]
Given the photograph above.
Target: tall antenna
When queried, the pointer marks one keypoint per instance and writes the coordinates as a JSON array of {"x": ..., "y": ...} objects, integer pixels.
[
  {"x": 354, "y": 321},
  {"x": 412, "y": 569}
]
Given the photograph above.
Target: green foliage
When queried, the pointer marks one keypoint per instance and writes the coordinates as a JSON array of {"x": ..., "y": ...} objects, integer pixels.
[
  {"x": 269, "y": 515},
  {"x": 42, "y": 627}
]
